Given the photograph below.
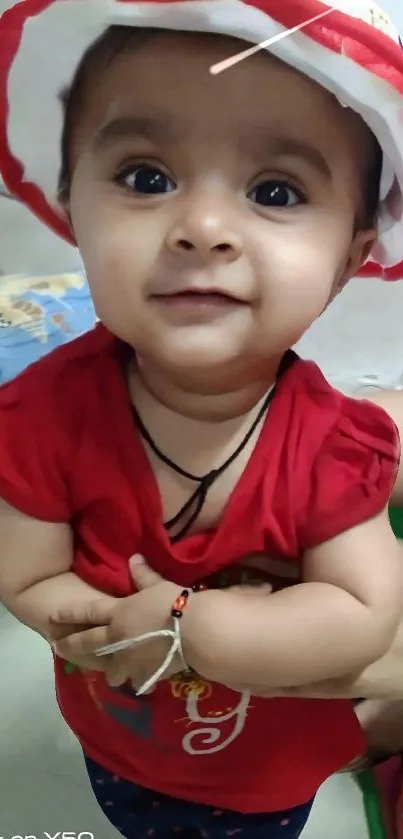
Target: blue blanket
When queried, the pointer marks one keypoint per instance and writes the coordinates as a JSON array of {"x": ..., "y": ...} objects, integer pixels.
[{"x": 38, "y": 314}]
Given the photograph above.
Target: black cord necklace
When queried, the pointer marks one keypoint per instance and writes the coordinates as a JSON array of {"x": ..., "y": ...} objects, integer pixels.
[{"x": 205, "y": 482}]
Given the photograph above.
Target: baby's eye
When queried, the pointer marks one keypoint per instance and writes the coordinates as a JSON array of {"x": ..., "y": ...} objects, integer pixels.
[
  {"x": 147, "y": 180},
  {"x": 276, "y": 194}
]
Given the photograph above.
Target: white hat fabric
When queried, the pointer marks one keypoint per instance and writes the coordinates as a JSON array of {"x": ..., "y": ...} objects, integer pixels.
[{"x": 353, "y": 50}]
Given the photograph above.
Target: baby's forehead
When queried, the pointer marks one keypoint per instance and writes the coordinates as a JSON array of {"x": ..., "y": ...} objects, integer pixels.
[
  {"x": 158, "y": 84},
  {"x": 171, "y": 71}
]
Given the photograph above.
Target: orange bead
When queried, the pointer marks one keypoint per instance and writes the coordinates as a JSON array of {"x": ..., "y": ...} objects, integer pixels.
[{"x": 180, "y": 604}]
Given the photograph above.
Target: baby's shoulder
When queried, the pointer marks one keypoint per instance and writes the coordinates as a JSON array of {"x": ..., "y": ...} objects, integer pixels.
[
  {"x": 347, "y": 456},
  {"x": 328, "y": 414}
]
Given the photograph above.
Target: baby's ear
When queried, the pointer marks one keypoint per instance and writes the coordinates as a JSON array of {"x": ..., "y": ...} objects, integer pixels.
[
  {"x": 63, "y": 200},
  {"x": 63, "y": 192},
  {"x": 360, "y": 250},
  {"x": 64, "y": 96}
]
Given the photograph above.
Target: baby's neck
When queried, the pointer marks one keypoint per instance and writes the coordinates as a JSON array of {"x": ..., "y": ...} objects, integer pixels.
[
  {"x": 205, "y": 401},
  {"x": 199, "y": 430}
]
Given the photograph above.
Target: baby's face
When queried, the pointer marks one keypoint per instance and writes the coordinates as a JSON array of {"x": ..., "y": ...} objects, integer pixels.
[{"x": 214, "y": 214}]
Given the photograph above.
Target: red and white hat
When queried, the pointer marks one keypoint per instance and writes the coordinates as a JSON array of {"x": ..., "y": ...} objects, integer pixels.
[{"x": 353, "y": 50}]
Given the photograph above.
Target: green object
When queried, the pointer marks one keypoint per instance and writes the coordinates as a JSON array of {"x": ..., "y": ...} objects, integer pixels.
[
  {"x": 377, "y": 827},
  {"x": 69, "y": 668},
  {"x": 376, "y": 823},
  {"x": 396, "y": 520}
]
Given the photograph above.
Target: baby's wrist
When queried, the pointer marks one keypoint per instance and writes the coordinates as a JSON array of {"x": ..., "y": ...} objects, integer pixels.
[{"x": 200, "y": 633}]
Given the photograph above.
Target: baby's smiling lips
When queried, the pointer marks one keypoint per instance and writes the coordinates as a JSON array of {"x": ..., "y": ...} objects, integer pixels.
[
  {"x": 192, "y": 307},
  {"x": 203, "y": 298}
]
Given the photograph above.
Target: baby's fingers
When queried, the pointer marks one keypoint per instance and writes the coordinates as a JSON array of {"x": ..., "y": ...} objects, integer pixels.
[
  {"x": 57, "y": 631},
  {"x": 118, "y": 670},
  {"x": 94, "y": 613},
  {"x": 82, "y": 643}
]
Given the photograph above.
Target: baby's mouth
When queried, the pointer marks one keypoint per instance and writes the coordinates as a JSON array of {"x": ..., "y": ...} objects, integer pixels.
[{"x": 200, "y": 298}]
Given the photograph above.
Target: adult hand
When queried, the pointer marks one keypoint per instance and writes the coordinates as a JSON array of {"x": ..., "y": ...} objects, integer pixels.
[{"x": 382, "y": 721}]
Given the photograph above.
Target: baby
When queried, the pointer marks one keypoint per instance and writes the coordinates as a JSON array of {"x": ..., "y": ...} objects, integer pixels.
[{"x": 217, "y": 217}]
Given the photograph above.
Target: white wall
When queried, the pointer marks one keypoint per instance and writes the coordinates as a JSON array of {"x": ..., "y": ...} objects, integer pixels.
[
  {"x": 25, "y": 245},
  {"x": 360, "y": 334},
  {"x": 395, "y": 9}
]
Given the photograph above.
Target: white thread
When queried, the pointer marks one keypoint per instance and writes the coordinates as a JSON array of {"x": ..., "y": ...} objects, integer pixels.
[
  {"x": 175, "y": 649},
  {"x": 235, "y": 59},
  {"x": 120, "y": 646}
]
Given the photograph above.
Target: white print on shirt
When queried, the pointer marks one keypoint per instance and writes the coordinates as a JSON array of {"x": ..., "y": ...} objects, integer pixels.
[{"x": 209, "y": 734}]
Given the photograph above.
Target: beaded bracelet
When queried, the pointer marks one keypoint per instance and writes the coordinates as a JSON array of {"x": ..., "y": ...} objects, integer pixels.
[
  {"x": 174, "y": 634},
  {"x": 181, "y": 602}
]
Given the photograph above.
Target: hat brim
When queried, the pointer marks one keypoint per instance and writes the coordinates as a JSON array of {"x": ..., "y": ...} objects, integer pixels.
[{"x": 355, "y": 57}]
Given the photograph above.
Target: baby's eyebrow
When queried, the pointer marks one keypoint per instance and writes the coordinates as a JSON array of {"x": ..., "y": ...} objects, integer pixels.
[
  {"x": 165, "y": 128},
  {"x": 292, "y": 147},
  {"x": 128, "y": 127}
]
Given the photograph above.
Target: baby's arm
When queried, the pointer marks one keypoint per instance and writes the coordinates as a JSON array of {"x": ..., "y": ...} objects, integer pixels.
[
  {"x": 36, "y": 581},
  {"x": 343, "y": 617}
]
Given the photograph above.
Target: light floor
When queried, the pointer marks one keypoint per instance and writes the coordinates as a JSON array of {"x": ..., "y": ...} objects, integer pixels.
[{"x": 43, "y": 787}]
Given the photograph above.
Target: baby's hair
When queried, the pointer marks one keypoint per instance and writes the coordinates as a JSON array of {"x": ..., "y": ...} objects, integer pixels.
[
  {"x": 371, "y": 165},
  {"x": 118, "y": 40}
]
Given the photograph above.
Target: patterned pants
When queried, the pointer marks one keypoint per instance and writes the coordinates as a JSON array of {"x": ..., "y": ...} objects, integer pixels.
[{"x": 142, "y": 814}]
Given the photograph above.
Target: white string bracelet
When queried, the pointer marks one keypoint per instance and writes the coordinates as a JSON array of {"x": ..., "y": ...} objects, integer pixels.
[
  {"x": 175, "y": 649},
  {"x": 174, "y": 634}
]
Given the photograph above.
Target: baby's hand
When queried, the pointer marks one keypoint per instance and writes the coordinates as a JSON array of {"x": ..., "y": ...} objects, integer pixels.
[
  {"x": 147, "y": 611},
  {"x": 77, "y": 618}
]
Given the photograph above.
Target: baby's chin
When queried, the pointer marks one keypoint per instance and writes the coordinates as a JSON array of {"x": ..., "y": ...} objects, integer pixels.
[{"x": 197, "y": 352}]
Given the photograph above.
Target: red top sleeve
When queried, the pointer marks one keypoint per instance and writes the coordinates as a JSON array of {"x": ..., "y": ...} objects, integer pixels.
[
  {"x": 32, "y": 448},
  {"x": 353, "y": 472}
]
